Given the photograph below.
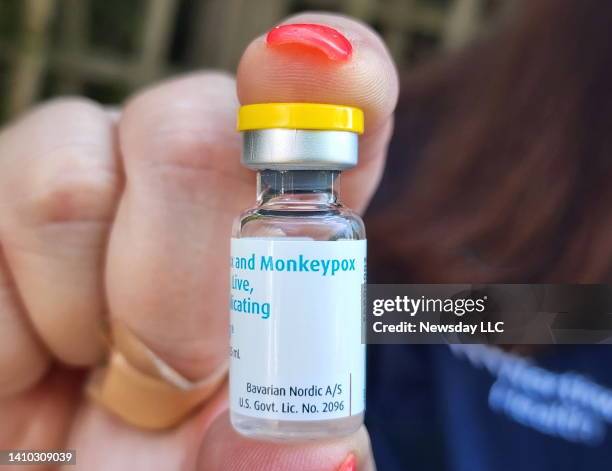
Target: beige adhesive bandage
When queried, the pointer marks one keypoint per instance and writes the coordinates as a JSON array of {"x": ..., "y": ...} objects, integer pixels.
[{"x": 144, "y": 391}]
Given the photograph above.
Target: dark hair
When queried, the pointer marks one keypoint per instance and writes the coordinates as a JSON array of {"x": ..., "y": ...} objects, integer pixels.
[{"x": 514, "y": 178}]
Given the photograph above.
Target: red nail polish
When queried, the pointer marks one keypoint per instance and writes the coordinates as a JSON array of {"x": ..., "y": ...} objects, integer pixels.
[
  {"x": 323, "y": 38},
  {"x": 349, "y": 464}
]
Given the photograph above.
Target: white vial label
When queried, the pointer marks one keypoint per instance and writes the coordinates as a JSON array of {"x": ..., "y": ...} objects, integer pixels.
[{"x": 295, "y": 334}]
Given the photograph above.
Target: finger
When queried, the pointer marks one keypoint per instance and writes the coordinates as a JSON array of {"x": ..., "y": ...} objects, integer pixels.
[
  {"x": 224, "y": 449},
  {"x": 134, "y": 449},
  {"x": 58, "y": 186},
  {"x": 167, "y": 267},
  {"x": 23, "y": 360},
  {"x": 301, "y": 71},
  {"x": 40, "y": 418}
]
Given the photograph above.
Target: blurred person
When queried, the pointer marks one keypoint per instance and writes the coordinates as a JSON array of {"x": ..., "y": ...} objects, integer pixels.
[{"x": 497, "y": 172}]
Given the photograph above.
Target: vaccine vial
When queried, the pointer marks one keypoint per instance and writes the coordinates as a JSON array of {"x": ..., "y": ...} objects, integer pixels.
[{"x": 298, "y": 265}]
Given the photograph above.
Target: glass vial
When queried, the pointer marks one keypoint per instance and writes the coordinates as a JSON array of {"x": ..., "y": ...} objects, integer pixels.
[{"x": 297, "y": 361}]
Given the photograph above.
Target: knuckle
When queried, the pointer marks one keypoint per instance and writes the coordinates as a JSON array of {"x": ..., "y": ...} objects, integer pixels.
[
  {"x": 72, "y": 103},
  {"x": 181, "y": 123},
  {"x": 190, "y": 149},
  {"x": 43, "y": 124},
  {"x": 63, "y": 166},
  {"x": 72, "y": 189},
  {"x": 66, "y": 111}
]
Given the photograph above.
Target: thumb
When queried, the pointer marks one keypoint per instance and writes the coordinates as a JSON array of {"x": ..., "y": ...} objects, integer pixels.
[
  {"x": 323, "y": 58},
  {"x": 224, "y": 449}
]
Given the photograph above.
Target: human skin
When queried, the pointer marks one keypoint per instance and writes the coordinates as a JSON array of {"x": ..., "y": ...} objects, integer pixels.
[{"x": 125, "y": 215}]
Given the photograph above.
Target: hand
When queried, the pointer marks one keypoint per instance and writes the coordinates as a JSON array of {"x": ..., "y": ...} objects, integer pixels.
[{"x": 126, "y": 215}]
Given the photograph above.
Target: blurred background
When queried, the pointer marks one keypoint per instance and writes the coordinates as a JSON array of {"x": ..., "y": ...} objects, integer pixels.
[
  {"x": 499, "y": 171},
  {"x": 106, "y": 48}
]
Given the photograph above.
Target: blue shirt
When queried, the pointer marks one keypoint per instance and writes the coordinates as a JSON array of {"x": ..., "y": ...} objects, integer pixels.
[{"x": 430, "y": 409}]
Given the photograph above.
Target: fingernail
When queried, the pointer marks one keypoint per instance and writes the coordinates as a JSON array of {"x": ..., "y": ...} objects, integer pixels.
[
  {"x": 349, "y": 464},
  {"x": 323, "y": 38}
]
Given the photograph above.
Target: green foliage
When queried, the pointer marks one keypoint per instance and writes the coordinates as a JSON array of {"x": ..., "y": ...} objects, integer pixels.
[
  {"x": 94, "y": 47},
  {"x": 116, "y": 25},
  {"x": 10, "y": 12}
]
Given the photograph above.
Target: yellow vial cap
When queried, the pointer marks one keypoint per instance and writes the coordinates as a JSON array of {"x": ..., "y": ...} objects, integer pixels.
[{"x": 311, "y": 116}]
